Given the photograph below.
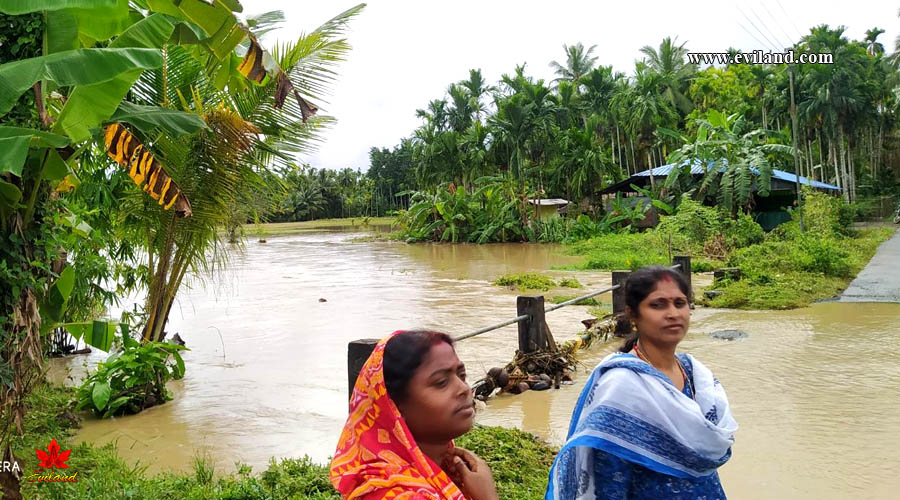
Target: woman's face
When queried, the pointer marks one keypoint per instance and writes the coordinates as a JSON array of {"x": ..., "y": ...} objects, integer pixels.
[
  {"x": 439, "y": 405},
  {"x": 664, "y": 316}
]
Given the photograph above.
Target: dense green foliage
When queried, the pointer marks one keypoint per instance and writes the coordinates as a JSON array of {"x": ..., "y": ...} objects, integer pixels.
[
  {"x": 72, "y": 223},
  {"x": 132, "y": 379},
  {"x": 592, "y": 126},
  {"x": 785, "y": 268},
  {"x": 519, "y": 461},
  {"x": 792, "y": 268}
]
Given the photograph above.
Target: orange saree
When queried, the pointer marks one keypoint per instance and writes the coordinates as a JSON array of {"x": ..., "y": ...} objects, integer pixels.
[{"x": 377, "y": 457}]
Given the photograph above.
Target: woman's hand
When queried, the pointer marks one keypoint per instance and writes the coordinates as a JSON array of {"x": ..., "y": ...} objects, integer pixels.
[{"x": 471, "y": 474}]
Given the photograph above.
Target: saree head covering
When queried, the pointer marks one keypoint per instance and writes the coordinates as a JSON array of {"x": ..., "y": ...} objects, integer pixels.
[
  {"x": 377, "y": 457},
  {"x": 632, "y": 411}
]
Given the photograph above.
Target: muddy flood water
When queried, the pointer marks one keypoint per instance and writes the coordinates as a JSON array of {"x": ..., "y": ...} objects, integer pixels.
[{"x": 816, "y": 391}]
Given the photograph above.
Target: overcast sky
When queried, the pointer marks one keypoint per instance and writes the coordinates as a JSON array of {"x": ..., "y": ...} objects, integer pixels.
[{"x": 406, "y": 53}]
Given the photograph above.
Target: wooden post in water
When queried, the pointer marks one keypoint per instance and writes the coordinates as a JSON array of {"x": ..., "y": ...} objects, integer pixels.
[
  {"x": 358, "y": 352},
  {"x": 623, "y": 324},
  {"x": 533, "y": 331},
  {"x": 684, "y": 261}
]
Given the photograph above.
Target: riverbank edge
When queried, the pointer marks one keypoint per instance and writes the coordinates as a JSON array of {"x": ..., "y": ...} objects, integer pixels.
[{"x": 519, "y": 460}]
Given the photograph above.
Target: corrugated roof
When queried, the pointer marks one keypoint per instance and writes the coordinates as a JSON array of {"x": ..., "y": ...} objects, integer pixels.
[
  {"x": 698, "y": 169},
  {"x": 549, "y": 202}
]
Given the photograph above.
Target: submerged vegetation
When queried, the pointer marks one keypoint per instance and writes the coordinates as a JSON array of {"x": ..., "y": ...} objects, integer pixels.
[{"x": 535, "y": 281}]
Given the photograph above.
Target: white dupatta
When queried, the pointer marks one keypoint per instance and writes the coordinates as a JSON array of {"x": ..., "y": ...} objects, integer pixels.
[{"x": 631, "y": 410}]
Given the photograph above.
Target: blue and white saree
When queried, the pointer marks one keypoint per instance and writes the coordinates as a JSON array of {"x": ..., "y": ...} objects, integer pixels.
[{"x": 635, "y": 436}]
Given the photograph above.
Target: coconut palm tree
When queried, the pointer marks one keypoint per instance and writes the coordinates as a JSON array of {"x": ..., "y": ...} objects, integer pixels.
[
  {"x": 578, "y": 62},
  {"x": 873, "y": 47},
  {"x": 761, "y": 79},
  {"x": 675, "y": 75},
  {"x": 478, "y": 88},
  {"x": 460, "y": 113},
  {"x": 249, "y": 133}
]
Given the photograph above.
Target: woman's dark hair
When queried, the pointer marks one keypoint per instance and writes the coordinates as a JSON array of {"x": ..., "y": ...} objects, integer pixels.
[
  {"x": 640, "y": 284},
  {"x": 403, "y": 355}
]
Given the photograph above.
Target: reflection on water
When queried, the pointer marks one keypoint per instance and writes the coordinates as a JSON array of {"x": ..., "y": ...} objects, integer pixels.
[{"x": 814, "y": 390}]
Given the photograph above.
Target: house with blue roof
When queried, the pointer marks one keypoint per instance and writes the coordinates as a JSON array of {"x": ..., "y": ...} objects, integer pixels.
[{"x": 769, "y": 211}]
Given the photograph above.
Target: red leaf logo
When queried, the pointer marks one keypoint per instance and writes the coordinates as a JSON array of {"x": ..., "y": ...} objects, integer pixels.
[{"x": 52, "y": 457}]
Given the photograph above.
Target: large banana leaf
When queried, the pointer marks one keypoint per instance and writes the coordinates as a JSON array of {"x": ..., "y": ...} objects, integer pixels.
[
  {"x": 211, "y": 18},
  {"x": 13, "y": 151},
  {"x": 90, "y": 105},
  {"x": 72, "y": 67},
  {"x": 99, "y": 334},
  {"x": 105, "y": 22},
  {"x": 14, "y": 144},
  {"x": 9, "y": 195},
  {"x": 60, "y": 31},
  {"x": 16, "y": 7},
  {"x": 150, "y": 118}
]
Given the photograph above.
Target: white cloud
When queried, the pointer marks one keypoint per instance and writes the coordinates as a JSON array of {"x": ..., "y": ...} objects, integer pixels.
[{"x": 406, "y": 53}]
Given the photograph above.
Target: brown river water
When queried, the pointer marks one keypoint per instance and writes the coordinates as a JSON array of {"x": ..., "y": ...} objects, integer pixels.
[{"x": 816, "y": 391}]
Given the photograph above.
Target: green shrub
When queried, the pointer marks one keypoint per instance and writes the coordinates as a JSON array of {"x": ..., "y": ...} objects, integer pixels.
[
  {"x": 526, "y": 281},
  {"x": 707, "y": 228},
  {"x": 132, "y": 380},
  {"x": 743, "y": 232},
  {"x": 555, "y": 230},
  {"x": 826, "y": 214},
  {"x": 806, "y": 252},
  {"x": 792, "y": 269},
  {"x": 519, "y": 461},
  {"x": 570, "y": 283},
  {"x": 693, "y": 220},
  {"x": 706, "y": 265},
  {"x": 627, "y": 251}
]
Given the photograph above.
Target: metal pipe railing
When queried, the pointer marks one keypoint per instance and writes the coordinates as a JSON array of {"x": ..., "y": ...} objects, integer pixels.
[
  {"x": 554, "y": 307},
  {"x": 358, "y": 351}
]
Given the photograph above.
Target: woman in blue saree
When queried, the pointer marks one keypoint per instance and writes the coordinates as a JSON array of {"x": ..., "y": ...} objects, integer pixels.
[{"x": 650, "y": 423}]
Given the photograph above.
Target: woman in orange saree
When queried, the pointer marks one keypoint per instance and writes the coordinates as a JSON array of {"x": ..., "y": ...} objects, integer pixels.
[{"x": 409, "y": 403}]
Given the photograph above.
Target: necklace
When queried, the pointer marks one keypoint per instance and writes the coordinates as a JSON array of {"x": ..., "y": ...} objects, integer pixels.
[{"x": 687, "y": 380}]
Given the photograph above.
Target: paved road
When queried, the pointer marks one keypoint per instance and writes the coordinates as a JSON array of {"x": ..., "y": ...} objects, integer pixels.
[{"x": 880, "y": 280}]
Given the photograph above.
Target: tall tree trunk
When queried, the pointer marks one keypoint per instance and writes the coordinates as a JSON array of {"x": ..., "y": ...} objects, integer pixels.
[
  {"x": 633, "y": 159},
  {"x": 809, "y": 160},
  {"x": 832, "y": 157},
  {"x": 879, "y": 146},
  {"x": 821, "y": 157},
  {"x": 847, "y": 193},
  {"x": 619, "y": 143}
]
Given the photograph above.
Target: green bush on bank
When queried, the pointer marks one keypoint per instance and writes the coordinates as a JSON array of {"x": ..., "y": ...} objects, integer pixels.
[
  {"x": 621, "y": 251},
  {"x": 793, "y": 268},
  {"x": 519, "y": 460},
  {"x": 784, "y": 269},
  {"x": 133, "y": 379}
]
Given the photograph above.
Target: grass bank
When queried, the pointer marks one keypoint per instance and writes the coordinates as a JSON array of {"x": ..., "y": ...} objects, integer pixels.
[
  {"x": 520, "y": 463},
  {"x": 275, "y": 228},
  {"x": 791, "y": 273},
  {"x": 783, "y": 269}
]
